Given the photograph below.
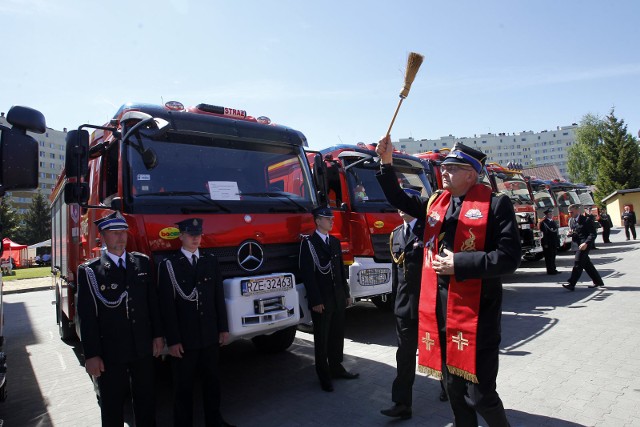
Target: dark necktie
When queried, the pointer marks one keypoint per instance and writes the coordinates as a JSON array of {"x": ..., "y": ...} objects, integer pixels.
[
  {"x": 194, "y": 260},
  {"x": 407, "y": 233},
  {"x": 327, "y": 243},
  {"x": 121, "y": 265}
]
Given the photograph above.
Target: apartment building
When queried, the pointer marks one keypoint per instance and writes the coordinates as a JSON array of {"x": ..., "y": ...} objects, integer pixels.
[{"x": 527, "y": 148}]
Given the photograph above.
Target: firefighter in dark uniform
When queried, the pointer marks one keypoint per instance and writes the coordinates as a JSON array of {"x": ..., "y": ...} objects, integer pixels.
[
  {"x": 120, "y": 325},
  {"x": 550, "y": 241},
  {"x": 322, "y": 270},
  {"x": 461, "y": 290},
  {"x": 195, "y": 320},
  {"x": 407, "y": 251}
]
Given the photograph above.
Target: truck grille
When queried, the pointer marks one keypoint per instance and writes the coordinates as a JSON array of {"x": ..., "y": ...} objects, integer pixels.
[
  {"x": 277, "y": 258},
  {"x": 380, "y": 243}
]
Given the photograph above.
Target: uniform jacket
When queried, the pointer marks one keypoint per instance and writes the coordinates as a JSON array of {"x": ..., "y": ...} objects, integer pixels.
[
  {"x": 584, "y": 231},
  {"x": 549, "y": 230},
  {"x": 193, "y": 324},
  {"x": 330, "y": 289},
  {"x": 605, "y": 221},
  {"x": 501, "y": 254},
  {"x": 126, "y": 332},
  {"x": 406, "y": 276},
  {"x": 629, "y": 218}
]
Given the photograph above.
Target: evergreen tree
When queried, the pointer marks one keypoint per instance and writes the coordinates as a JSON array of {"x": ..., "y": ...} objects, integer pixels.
[
  {"x": 37, "y": 220},
  {"x": 619, "y": 163},
  {"x": 582, "y": 157},
  {"x": 9, "y": 218}
]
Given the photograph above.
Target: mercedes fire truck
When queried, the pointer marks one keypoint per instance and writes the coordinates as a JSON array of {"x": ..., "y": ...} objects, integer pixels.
[
  {"x": 246, "y": 177},
  {"x": 364, "y": 218}
]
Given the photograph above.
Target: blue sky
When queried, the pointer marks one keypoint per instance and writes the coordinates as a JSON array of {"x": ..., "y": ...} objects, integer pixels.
[{"x": 332, "y": 69}]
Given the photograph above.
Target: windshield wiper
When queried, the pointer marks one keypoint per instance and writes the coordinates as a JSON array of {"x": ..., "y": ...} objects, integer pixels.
[
  {"x": 197, "y": 195},
  {"x": 279, "y": 196}
]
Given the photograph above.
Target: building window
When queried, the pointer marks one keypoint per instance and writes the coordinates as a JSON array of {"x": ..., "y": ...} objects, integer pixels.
[
  {"x": 523, "y": 139},
  {"x": 565, "y": 133},
  {"x": 42, "y": 154},
  {"x": 61, "y": 156},
  {"x": 41, "y": 164},
  {"x": 41, "y": 143},
  {"x": 52, "y": 155},
  {"x": 52, "y": 165}
]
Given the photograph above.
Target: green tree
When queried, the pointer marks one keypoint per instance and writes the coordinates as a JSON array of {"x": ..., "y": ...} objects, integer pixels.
[
  {"x": 619, "y": 163},
  {"x": 9, "y": 218},
  {"x": 583, "y": 156},
  {"x": 37, "y": 220}
]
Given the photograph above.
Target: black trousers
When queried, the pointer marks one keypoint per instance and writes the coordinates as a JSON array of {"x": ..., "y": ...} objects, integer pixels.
[
  {"x": 196, "y": 363},
  {"x": 583, "y": 262},
  {"x": 402, "y": 388},
  {"x": 550, "y": 252},
  {"x": 632, "y": 228},
  {"x": 328, "y": 341},
  {"x": 114, "y": 385},
  {"x": 467, "y": 399},
  {"x": 606, "y": 232}
]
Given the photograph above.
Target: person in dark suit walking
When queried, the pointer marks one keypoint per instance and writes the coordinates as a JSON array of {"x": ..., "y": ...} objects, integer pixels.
[
  {"x": 322, "y": 270},
  {"x": 550, "y": 241},
  {"x": 629, "y": 221},
  {"x": 471, "y": 240},
  {"x": 605, "y": 221},
  {"x": 120, "y": 325},
  {"x": 195, "y": 320},
  {"x": 407, "y": 249},
  {"x": 583, "y": 233}
]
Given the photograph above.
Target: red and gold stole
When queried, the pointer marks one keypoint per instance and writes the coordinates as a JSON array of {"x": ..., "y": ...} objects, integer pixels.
[{"x": 464, "y": 296}]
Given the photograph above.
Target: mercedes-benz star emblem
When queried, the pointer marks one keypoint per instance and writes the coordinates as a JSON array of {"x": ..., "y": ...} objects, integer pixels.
[{"x": 250, "y": 256}]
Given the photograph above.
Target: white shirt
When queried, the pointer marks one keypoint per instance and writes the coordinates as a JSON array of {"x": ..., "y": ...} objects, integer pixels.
[
  {"x": 324, "y": 237},
  {"x": 188, "y": 254},
  {"x": 116, "y": 258}
]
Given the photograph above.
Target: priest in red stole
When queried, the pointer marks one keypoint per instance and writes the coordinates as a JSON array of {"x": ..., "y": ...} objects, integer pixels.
[{"x": 471, "y": 240}]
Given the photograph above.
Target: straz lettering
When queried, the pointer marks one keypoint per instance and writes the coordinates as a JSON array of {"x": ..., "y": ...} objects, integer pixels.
[{"x": 235, "y": 113}]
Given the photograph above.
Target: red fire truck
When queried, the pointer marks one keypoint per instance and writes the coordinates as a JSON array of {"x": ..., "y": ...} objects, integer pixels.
[
  {"x": 18, "y": 171},
  {"x": 363, "y": 216},
  {"x": 565, "y": 195},
  {"x": 246, "y": 177}
]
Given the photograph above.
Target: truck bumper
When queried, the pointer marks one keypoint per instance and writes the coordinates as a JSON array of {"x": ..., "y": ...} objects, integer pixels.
[
  {"x": 260, "y": 313},
  {"x": 368, "y": 278}
]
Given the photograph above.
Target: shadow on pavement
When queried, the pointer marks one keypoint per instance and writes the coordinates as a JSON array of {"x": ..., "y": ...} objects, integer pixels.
[
  {"x": 28, "y": 406},
  {"x": 523, "y": 419}
]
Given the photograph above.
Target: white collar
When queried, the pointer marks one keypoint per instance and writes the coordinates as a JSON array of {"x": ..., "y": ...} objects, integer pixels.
[
  {"x": 188, "y": 254},
  {"x": 115, "y": 258},
  {"x": 323, "y": 236}
]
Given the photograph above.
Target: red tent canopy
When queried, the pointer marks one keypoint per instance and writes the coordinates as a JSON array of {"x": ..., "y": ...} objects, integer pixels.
[{"x": 13, "y": 250}]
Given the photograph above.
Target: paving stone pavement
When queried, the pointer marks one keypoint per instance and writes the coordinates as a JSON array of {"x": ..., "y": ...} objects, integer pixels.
[{"x": 567, "y": 359}]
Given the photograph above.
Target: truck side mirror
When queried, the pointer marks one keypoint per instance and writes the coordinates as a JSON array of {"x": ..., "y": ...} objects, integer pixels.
[
  {"x": 76, "y": 164},
  {"x": 19, "y": 151},
  {"x": 320, "y": 178}
]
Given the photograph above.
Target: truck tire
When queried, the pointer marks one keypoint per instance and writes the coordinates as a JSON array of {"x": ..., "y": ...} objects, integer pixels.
[
  {"x": 66, "y": 331},
  {"x": 384, "y": 304},
  {"x": 276, "y": 342}
]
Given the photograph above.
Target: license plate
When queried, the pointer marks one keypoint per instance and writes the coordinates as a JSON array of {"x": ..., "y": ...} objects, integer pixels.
[{"x": 264, "y": 285}]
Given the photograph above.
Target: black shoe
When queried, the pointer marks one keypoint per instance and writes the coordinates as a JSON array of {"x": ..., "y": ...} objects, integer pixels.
[
  {"x": 443, "y": 396},
  {"x": 326, "y": 386},
  {"x": 398, "y": 411},
  {"x": 346, "y": 375},
  {"x": 593, "y": 285},
  {"x": 553, "y": 272},
  {"x": 569, "y": 287}
]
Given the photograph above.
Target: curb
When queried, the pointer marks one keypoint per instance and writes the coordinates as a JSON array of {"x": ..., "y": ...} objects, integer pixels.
[{"x": 25, "y": 290}]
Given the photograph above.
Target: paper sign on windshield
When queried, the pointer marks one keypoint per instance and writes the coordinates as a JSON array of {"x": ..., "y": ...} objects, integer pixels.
[{"x": 224, "y": 190}]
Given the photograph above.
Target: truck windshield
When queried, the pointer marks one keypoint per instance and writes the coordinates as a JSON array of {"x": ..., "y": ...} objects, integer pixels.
[
  {"x": 203, "y": 174},
  {"x": 543, "y": 198},
  {"x": 513, "y": 186},
  {"x": 566, "y": 197},
  {"x": 585, "y": 197},
  {"x": 367, "y": 195}
]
